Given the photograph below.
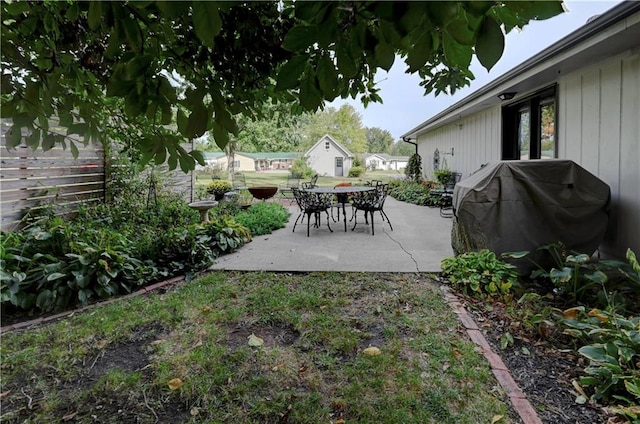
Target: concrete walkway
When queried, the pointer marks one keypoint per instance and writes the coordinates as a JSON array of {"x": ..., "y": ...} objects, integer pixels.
[{"x": 419, "y": 241}]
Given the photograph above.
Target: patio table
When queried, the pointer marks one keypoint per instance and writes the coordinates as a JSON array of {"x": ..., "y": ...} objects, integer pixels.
[{"x": 348, "y": 190}]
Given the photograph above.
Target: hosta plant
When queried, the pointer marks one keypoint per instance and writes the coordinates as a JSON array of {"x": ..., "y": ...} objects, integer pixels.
[
  {"x": 480, "y": 273},
  {"x": 612, "y": 346}
]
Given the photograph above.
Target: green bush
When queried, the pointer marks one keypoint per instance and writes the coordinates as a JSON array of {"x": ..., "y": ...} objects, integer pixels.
[
  {"x": 413, "y": 171},
  {"x": 356, "y": 171},
  {"x": 301, "y": 167},
  {"x": 218, "y": 188},
  {"x": 263, "y": 217},
  {"x": 417, "y": 193},
  {"x": 480, "y": 273}
]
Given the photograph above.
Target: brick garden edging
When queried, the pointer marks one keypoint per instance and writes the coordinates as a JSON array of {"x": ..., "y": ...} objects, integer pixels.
[{"x": 518, "y": 399}]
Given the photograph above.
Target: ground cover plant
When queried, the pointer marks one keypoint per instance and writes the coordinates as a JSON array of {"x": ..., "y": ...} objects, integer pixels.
[
  {"x": 569, "y": 334},
  {"x": 256, "y": 347},
  {"x": 132, "y": 240}
]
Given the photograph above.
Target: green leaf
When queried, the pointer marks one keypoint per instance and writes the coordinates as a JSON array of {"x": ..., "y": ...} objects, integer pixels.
[
  {"x": 55, "y": 276},
  {"x": 346, "y": 63},
  {"x": 206, "y": 21},
  {"x": 220, "y": 135},
  {"x": 74, "y": 149},
  {"x": 327, "y": 76},
  {"x": 490, "y": 43},
  {"x": 291, "y": 71},
  {"x": 182, "y": 121},
  {"x": 198, "y": 156},
  {"x": 457, "y": 55},
  {"x": 197, "y": 122},
  {"x": 385, "y": 55},
  {"x": 515, "y": 255},
  {"x": 597, "y": 353},
  {"x": 13, "y": 137},
  {"x": 421, "y": 51},
  {"x": 132, "y": 32},
  {"x": 95, "y": 14},
  {"x": 310, "y": 97},
  {"x": 561, "y": 276},
  {"x": 300, "y": 37}
]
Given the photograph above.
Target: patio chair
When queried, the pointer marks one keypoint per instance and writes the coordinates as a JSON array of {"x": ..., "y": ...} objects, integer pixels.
[
  {"x": 446, "y": 201},
  {"x": 340, "y": 201},
  {"x": 293, "y": 181},
  {"x": 312, "y": 183},
  {"x": 238, "y": 181},
  {"x": 370, "y": 202},
  {"x": 312, "y": 204}
]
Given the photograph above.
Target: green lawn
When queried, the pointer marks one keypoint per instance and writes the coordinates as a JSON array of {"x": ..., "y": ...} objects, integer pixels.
[
  {"x": 254, "y": 179},
  {"x": 256, "y": 348}
]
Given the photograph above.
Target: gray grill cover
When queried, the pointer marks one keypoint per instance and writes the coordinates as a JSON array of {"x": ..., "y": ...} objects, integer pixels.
[{"x": 521, "y": 205}]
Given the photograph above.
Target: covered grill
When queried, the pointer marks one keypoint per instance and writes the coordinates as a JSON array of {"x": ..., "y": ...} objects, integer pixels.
[{"x": 521, "y": 205}]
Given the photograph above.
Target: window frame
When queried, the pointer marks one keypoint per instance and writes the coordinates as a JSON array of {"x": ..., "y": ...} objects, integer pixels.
[{"x": 511, "y": 128}]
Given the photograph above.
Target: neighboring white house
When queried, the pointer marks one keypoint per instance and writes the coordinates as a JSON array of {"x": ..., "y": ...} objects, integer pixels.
[
  {"x": 579, "y": 99},
  {"x": 385, "y": 162},
  {"x": 329, "y": 158}
]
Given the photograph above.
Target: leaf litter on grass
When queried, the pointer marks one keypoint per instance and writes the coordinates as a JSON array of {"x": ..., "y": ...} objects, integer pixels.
[{"x": 304, "y": 363}]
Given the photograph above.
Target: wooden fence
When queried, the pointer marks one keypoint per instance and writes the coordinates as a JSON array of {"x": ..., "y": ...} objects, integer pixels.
[{"x": 31, "y": 180}]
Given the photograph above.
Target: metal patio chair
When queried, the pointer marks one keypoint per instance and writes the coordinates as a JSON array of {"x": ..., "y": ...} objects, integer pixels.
[
  {"x": 370, "y": 202},
  {"x": 312, "y": 204}
]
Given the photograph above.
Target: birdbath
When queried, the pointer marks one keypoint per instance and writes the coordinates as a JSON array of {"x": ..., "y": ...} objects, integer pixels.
[{"x": 203, "y": 207}]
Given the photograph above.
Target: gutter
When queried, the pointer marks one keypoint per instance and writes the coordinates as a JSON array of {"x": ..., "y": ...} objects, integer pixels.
[{"x": 408, "y": 140}]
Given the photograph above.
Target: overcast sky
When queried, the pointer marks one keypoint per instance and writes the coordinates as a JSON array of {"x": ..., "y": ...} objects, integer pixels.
[{"x": 405, "y": 106}]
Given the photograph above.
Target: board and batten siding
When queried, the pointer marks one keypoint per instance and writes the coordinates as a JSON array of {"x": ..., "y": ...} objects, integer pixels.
[
  {"x": 598, "y": 127},
  {"x": 475, "y": 141}
]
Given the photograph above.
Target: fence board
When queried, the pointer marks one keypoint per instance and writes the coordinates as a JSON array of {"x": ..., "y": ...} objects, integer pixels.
[{"x": 32, "y": 178}]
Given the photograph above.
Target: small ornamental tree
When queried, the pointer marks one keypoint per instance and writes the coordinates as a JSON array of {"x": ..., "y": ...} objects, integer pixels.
[{"x": 413, "y": 170}]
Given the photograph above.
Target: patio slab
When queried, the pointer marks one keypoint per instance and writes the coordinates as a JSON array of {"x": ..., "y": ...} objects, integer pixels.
[{"x": 419, "y": 241}]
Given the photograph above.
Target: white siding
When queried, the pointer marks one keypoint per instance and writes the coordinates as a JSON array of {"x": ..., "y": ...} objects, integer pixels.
[
  {"x": 323, "y": 161},
  {"x": 598, "y": 128},
  {"x": 475, "y": 140},
  {"x": 601, "y": 131}
]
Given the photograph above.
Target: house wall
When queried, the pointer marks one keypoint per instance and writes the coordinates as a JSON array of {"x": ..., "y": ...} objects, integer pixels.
[
  {"x": 246, "y": 163},
  {"x": 598, "y": 127},
  {"x": 475, "y": 141},
  {"x": 322, "y": 160}
]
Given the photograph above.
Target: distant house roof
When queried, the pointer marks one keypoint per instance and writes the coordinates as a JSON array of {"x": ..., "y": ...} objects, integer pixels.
[
  {"x": 213, "y": 155},
  {"x": 606, "y": 35},
  {"x": 272, "y": 155},
  {"x": 387, "y": 157},
  {"x": 340, "y": 147}
]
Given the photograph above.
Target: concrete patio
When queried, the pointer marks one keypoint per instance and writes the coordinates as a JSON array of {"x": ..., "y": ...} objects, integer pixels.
[{"x": 419, "y": 241}]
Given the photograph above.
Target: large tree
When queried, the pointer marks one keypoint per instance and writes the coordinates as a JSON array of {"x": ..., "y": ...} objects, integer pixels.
[
  {"x": 199, "y": 64},
  {"x": 344, "y": 124},
  {"x": 379, "y": 140}
]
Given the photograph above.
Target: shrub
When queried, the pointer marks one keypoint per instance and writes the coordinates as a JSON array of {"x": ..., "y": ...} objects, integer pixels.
[
  {"x": 413, "y": 171},
  {"x": 356, "y": 171},
  {"x": 480, "y": 273},
  {"x": 443, "y": 176},
  {"x": 264, "y": 217},
  {"x": 218, "y": 188},
  {"x": 301, "y": 167},
  {"x": 417, "y": 193}
]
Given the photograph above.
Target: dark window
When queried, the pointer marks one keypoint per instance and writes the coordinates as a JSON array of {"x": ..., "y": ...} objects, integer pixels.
[{"x": 529, "y": 127}]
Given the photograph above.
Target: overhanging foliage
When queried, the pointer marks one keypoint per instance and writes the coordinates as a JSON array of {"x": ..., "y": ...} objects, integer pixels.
[{"x": 174, "y": 70}]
